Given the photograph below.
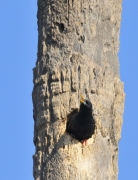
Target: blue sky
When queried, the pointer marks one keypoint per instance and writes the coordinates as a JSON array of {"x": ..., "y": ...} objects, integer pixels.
[
  {"x": 18, "y": 49},
  {"x": 128, "y": 55}
]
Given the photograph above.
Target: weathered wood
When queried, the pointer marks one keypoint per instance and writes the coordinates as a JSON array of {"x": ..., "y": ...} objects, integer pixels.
[{"x": 77, "y": 54}]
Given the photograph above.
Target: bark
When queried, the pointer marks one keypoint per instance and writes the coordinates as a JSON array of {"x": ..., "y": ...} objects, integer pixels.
[{"x": 77, "y": 54}]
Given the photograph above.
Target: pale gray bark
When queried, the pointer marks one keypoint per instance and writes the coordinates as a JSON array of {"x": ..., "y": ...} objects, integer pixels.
[{"x": 77, "y": 54}]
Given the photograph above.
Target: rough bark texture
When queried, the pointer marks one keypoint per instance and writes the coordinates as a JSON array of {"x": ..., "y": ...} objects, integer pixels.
[{"x": 77, "y": 54}]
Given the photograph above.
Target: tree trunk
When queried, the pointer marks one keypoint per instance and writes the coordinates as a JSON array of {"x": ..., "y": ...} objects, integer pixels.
[{"x": 77, "y": 55}]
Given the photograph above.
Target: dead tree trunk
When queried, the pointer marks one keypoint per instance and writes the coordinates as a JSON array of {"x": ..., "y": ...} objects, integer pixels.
[{"x": 77, "y": 54}]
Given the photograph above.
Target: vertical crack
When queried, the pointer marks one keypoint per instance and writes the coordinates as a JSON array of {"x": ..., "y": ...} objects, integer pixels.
[{"x": 68, "y": 11}]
